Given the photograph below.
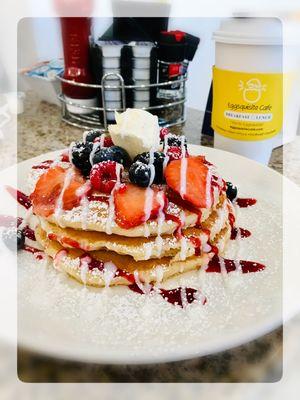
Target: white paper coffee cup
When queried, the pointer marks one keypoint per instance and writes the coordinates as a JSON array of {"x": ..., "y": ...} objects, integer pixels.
[{"x": 249, "y": 45}]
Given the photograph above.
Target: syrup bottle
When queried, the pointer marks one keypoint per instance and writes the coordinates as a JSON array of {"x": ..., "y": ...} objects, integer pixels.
[{"x": 75, "y": 37}]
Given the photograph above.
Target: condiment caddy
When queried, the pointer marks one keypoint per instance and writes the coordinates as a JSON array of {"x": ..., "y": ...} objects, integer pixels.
[{"x": 119, "y": 75}]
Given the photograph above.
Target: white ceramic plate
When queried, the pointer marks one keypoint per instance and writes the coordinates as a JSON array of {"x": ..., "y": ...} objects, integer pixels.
[{"x": 60, "y": 317}]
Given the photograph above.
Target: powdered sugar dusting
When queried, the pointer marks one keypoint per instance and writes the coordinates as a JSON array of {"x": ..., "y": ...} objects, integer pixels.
[{"x": 100, "y": 322}]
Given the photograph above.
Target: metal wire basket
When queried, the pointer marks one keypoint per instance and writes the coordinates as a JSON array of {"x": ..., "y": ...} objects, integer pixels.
[{"x": 97, "y": 117}]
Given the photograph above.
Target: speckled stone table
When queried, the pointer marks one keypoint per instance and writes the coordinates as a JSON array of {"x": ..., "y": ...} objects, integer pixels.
[{"x": 40, "y": 130}]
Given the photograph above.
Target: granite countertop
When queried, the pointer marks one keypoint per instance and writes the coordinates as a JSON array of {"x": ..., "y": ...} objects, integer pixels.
[{"x": 40, "y": 130}]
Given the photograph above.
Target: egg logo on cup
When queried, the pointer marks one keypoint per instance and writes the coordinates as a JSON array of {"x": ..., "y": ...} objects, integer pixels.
[{"x": 252, "y": 90}]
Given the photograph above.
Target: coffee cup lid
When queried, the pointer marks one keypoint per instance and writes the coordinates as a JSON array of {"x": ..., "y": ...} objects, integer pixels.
[{"x": 250, "y": 31}]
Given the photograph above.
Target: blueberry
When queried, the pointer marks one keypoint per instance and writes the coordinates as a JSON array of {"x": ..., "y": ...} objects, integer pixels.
[
  {"x": 91, "y": 135},
  {"x": 176, "y": 140},
  {"x": 113, "y": 153},
  {"x": 81, "y": 156},
  {"x": 158, "y": 163},
  {"x": 231, "y": 191},
  {"x": 13, "y": 238},
  {"x": 140, "y": 174}
]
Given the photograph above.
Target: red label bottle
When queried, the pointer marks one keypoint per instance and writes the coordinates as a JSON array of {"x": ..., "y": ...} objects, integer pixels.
[{"x": 75, "y": 37}]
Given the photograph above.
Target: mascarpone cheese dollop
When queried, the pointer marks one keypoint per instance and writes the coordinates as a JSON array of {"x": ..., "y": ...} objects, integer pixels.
[{"x": 136, "y": 131}]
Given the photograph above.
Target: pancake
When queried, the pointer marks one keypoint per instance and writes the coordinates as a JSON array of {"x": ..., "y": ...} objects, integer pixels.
[
  {"x": 140, "y": 248},
  {"x": 119, "y": 269},
  {"x": 94, "y": 216},
  {"x": 100, "y": 239}
]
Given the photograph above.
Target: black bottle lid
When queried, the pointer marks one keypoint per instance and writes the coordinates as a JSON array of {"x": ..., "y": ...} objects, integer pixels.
[
  {"x": 192, "y": 45},
  {"x": 171, "y": 46}
]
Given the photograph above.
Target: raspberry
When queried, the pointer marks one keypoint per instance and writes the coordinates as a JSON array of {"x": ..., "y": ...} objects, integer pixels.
[
  {"x": 174, "y": 153},
  {"x": 65, "y": 156},
  {"x": 163, "y": 132},
  {"x": 176, "y": 140},
  {"x": 105, "y": 175},
  {"x": 107, "y": 142}
]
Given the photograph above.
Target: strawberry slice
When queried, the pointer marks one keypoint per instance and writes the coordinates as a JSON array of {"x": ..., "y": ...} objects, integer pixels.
[
  {"x": 49, "y": 186},
  {"x": 74, "y": 192},
  {"x": 196, "y": 191},
  {"x": 130, "y": 202}
]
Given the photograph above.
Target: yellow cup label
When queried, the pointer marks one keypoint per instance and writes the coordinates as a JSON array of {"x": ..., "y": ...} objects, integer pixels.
[{"x": 247, "y": 106}]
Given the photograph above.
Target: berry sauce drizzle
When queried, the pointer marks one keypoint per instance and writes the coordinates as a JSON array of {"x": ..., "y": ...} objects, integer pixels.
[
  {"x": 174, "y": 296},
  {"x": 21, "y": 197},
  {"x": 95, "y": 197},
  {"x": 245, "y": 202},
  {"x": 29, "y": 233},
  {"x": 177, "y": 220},
  {"x": 39, "y": 254},
  {"x": 196, "y": 242},
  {"x": 244, "y": 233},
  {"x": 97, "y": 264},
  {"x": 43, "y": 165},
  {"x": 230, "y": 265}
]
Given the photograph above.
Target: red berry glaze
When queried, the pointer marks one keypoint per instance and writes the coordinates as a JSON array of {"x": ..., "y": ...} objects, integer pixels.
[{"x": 104, "y": 176}]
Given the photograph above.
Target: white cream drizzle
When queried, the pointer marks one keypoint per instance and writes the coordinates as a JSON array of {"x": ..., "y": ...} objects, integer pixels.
[
  {"x": 159, "y": 273},
  {"x": 183, "y": 248},
  {"x": 160, "y": 221},
  {"x": 84, "y": 135},
  {"x": 59, "y": 203},
  {"x": 209, "y": 199},
  {"x": 111, "y": 204},
  {"x": 166, "y": 148},
  {"x": 183, "y": 297},
  {"x": 222, "y": 267},
  {"x": 147, "y": 209},
  {"x": 145, "y": 287},
  {"x": 183, "y": 170},
  {"x": 84, "y": 268},
  {"x": 148, "y": 247},
  {"x": 26, "y": 219},
  {"x": 59, "y": 256},
  {"x": 81, "y": 192},
  {"x": 101, "y": 142},
  {"x": 96, "y": 146},
  {"x": 206, "y": 248},
  {"x": 109, "y": 273},
  {"x": 151, "y": 166}
]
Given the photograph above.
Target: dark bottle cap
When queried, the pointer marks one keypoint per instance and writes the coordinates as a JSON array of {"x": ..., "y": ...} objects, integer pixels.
[
  {"x": 191, "y": 47},
  {"x": 171, "y": 52},
  {"x": 171, "y": 46}
]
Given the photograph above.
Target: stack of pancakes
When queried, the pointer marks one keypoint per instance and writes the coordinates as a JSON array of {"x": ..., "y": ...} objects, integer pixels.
[{"x": 87, "y": 243}]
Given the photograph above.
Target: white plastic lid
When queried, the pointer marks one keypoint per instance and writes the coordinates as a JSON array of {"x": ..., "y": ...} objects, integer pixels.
[{"x": 253, "y": 31}]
